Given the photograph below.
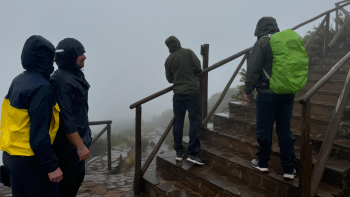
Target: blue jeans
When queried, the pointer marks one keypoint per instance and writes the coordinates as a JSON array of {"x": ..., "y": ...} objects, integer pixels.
[
  {"x": 192, "y": 103},
  {"x": 271, "y": 108},
  {"x": 28, "y": 178}
]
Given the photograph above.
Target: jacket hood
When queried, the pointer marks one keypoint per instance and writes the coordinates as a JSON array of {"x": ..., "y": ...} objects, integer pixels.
[
  {"x": 38, "y": 55},
  {"x": 173, "y": 47},
  {"x": 67, "y": 53},
  {"x": 266, "y": 25}
]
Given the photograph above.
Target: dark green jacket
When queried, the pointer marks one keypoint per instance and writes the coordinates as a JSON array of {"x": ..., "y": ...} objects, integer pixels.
[
  {"x": 261, "y": 58},
  {"x": 181, "y": 68}
]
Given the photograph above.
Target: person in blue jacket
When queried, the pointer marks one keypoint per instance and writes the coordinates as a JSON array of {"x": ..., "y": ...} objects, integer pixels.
[
  {"x": 29, "y": 122},
  {"x": 74, "y": 135}
]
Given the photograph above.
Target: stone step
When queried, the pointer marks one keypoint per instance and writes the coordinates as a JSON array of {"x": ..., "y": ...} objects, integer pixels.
[
  {"x": 157, "y": 182},
  {"x": 326, "y": 66},
  {"x": 246, "y": 145},
  {"x": 336, "y": 85},
  {"x": 330, "y": 96},
  {"x": 320, "y": 116},
  {"x": 341, "y": 146},
  {"x": 317, "y": 75},
  {"x": 212, "y": 181},
  {"x": 329, "y": 59},
  {"x": 232, "y": 164}
]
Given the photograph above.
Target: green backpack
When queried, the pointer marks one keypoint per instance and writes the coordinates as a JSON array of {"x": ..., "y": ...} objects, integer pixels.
[{"x": 290, "y": 63}]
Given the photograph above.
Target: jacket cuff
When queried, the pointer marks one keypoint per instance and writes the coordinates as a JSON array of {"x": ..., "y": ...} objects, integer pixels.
[
  {"x": 51, "y": 165},
  {"x": 247, "y": 91}
]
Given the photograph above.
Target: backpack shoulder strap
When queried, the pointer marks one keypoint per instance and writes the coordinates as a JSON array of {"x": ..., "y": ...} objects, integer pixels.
[{"x": 266, "y": 73}]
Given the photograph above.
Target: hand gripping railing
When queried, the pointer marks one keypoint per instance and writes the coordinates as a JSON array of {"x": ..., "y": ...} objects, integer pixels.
[
  {"x": 304, "y": 184},
  {"x": 108, "y": 129}
]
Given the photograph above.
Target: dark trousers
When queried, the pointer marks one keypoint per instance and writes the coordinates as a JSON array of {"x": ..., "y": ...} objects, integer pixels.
[
  {"x": 28, "y": 177},
  {"x": 271, "y": 108},
  {"x": 192, "y": 103},
  {"x": 73, "y": 174}
]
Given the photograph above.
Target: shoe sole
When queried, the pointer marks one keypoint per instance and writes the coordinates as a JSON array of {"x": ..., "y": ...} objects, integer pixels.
[
  {"x": 259, "y": 168},
  {"x": 195, "y": 162},
  {"x": 178, "y": 159},
  {"x": 289, "y": 178}
]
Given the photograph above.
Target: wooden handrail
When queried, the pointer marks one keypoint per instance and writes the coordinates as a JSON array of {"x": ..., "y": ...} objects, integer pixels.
[
  {"x": 100, "y": 122},
  {"x": 319, "y": 16},
  {"x": 316, "y": 32},
  {"x": 342, "y": 28},
  {"x": 151, "y": 97},
  {"x": 327, "y": 144},
  {"x": 205, "y": 121},
  {"x": 324, "y": 79}
]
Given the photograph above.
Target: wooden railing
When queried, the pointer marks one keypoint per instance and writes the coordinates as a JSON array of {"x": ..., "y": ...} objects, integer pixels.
[
  {"x": 304, "y": 181},
  {"x": 108, "y": 129}
]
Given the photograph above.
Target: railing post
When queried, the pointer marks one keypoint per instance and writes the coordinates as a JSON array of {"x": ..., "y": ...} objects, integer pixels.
[
  {"x": 109, "y": 147},
  {"x": 326, "y": 36},
  {"x": 204, "y": 81},
  {"x": 336, "y": 18},
  {"x": 305, "y": 153},
  {"x": 138, "y": 172}
]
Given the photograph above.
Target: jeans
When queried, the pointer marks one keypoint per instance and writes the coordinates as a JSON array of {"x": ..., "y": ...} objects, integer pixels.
[
  {"x": 28, "y": 177},
  {"x": 271, "y": 108},
  {"x": 192, "y": 103}
]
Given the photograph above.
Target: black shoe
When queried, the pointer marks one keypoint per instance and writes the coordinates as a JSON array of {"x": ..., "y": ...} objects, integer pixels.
[
  {"x": 255, "y": 164},
  {"x": 195, "y": 160},
  {"x": 290, "y": 176},
  {"x": 179, "y": 156}
]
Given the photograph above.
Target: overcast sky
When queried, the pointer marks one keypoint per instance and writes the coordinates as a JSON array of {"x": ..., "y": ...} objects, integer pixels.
[{"x": 124, "y": 41}]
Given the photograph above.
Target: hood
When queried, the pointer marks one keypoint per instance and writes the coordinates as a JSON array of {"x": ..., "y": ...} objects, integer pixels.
[
  {"x": 266, "y": 25},
  {"x": 67, "y": 53},
  {"x": 38, "y": 55},
  {"x": 173, "y": 44}
]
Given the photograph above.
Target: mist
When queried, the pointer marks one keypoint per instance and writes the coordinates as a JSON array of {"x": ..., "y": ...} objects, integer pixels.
[{"x": 124, "y": 42}]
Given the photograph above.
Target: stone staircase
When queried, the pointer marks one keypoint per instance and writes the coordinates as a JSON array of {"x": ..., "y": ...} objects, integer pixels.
[{"x": 229, "y": 144}]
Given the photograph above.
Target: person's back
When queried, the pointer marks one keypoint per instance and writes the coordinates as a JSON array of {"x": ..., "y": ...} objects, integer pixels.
[
  {"x": 29, "y": 122},
  {"x": 181, "y": 69},
  {"x": 271, "y": 107}
]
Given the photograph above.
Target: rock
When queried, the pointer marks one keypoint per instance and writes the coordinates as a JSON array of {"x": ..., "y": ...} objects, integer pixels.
[
  {"x": 109, "y": 187},
  {"x": 152, "y": 144},
  {"x": 83, "y": 195}
]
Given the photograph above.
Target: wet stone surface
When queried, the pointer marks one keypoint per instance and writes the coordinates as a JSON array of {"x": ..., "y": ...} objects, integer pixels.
[{"x": 99, "y": 182}]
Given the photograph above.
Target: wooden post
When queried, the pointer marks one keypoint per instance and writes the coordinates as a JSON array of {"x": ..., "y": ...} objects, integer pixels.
[
  {"x": 109, "y": 147},
  {"x": 336, "y": 19},
  {"x": 305, "y": 152},
  {"x": 204, "y": 79},
  {"x": 326, "y": 36},
  {"x": 138, "y": 172}
]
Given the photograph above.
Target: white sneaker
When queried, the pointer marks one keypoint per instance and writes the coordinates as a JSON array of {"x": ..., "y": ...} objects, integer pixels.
[
  {"x": 290, "y": 176},
  {"x": 255, "y": 164}
]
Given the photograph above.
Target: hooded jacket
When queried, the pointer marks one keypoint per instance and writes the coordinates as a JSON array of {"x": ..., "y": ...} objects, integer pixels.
[
  {"x": 71, "y": 90},
  {"x": 181, "y": 68},
  {"x": 261, "y": 57},
  {"x": 29, "y": 114}
]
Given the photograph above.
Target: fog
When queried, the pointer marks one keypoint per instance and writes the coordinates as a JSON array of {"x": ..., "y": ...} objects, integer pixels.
[{"x": 124, "y": 41}]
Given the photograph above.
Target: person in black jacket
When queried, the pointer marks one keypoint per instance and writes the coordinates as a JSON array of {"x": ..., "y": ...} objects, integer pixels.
[
  {"x": 74, "y": 135},
  {"x": 29, "y": 122}
]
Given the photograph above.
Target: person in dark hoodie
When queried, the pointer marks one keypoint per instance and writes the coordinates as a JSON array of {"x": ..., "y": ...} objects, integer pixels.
[
  {"x": 181, "y": 68},
  {"x": 29, "y": 122},
  {"x": 271, "y": 107},
  {"x": 74, "y": 135}
]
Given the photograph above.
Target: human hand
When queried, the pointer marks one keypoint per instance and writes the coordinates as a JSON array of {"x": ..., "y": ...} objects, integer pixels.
[
  {"x": 83, "y": 153},
  {"x": 56, "y": 176},
  {"x": 246, "y": 97}
]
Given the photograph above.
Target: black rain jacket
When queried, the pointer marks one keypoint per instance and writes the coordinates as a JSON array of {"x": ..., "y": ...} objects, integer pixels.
[
  {"x": 32, "y": 93},
  {"x": 261, "y": 57},
  {"x": 71, "y": 90},
  {"x": 181, "y": 68}
]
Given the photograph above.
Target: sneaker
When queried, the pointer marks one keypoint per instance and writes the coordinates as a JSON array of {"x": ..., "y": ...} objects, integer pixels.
[
  {"x": 179, "y": 156},
  {"x": 195, "y": 160},
  {"x": 290, "y": 176},
  {"x": 255, "y": 164}
]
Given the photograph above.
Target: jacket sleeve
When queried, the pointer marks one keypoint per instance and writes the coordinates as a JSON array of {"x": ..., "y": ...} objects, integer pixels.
[
  {"x": 196, "y": 63},
  {"x": 65, "y": 93},
  {"x": 40, "y": 113},
  {"x": 169, "y": 75},
  {"x": 254, "y": 68}
]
